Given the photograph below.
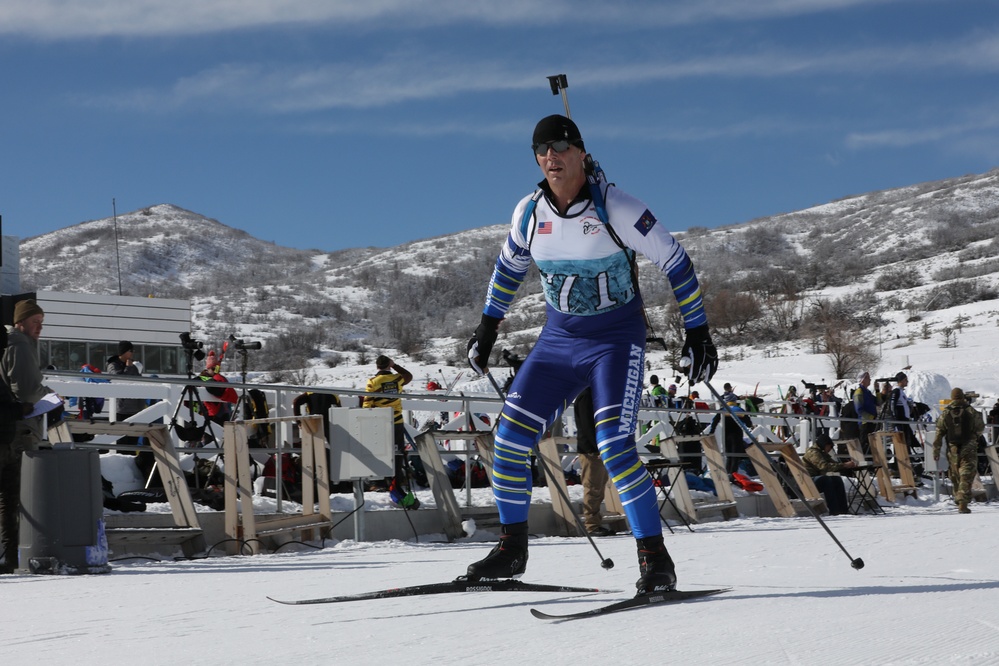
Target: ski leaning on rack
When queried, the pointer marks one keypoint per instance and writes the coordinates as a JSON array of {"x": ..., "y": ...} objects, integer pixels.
[
  {"x": 457, "y": 585},
  {"x": 675, "y": 596}
]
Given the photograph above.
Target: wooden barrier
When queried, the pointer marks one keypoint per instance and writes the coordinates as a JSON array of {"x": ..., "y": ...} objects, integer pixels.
[
  {"x": 440, "y": 483},
  {"x": 240, "y": 520},
  {"x": 186, "y": 532},
  {"x": 690, "y": 508},
  {"x": 879, "y": 442},
  {"x": 865, "y": 476},
  {"x": 784, "y": 505}
]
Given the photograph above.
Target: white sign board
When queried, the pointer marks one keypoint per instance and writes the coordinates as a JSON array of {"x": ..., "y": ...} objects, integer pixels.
[{"x": 361, "y": 443}]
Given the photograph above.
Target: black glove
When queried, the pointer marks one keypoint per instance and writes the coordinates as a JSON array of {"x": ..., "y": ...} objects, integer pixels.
[
  {"x": 699, "y": 356},
  {"x": 480, "y": 346}
]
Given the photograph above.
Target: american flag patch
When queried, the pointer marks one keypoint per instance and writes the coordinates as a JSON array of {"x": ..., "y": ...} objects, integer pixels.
[
  {"x": 544, "y": 227},
  {"x": 645, "y": 222}
]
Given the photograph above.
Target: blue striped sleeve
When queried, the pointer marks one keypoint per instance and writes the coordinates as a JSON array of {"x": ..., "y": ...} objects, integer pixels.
[
  {"x": 508, "y": 274},
  {"x": 687, "y": 291}
]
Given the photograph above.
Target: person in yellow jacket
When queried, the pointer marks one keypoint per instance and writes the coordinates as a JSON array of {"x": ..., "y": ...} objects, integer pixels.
[{"x": 383, "y": 391}]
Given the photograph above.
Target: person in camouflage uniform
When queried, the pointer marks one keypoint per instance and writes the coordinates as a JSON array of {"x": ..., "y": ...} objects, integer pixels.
[
  {"x": 962, "y": 425},
  {"x": 819, "y": 463}
]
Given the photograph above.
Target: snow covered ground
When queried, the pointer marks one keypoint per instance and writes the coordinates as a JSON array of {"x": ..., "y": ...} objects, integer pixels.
[{"x": 926, "y": 596}]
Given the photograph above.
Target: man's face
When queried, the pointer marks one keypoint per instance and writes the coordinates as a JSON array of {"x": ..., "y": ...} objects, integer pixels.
[
  {"x": 866, "y": 381},
  {"x": 32, "y": 326},
  {"x": 564, "y": 167}
]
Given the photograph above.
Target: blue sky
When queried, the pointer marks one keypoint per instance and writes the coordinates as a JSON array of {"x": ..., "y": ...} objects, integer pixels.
[{"x": 330, "y": 125}]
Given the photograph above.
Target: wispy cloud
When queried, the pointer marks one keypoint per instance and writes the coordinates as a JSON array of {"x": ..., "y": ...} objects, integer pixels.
[
  {"x": 58, "y": 19},
  {"x": 975, "y": 123},
  {"x": 403, "y": 77},
  {"x": 305, "y": 88}
]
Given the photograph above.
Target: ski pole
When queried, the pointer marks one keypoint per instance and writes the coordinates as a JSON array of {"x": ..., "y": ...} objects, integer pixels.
[
  {"x": 606, "y": 563},
  {"x": 855, "y": 563}
]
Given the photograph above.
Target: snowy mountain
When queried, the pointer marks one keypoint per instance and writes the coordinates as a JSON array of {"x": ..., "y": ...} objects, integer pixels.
[{"x": 899, "y": 265}]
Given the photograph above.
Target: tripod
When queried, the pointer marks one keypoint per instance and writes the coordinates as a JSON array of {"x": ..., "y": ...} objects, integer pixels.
[
  {"x": 189, "y": 431},
  {"x": 244, "y": 408},
  {"x": 243, "y": 401}
]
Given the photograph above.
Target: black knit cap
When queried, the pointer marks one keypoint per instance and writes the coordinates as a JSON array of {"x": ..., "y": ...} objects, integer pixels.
[
  {"x": 557, "y": 128},
  {"x": 124, "y": 347}
]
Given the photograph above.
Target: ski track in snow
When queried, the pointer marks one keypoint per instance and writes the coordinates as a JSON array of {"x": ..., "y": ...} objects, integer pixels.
[{"x": 925, "y": 596}]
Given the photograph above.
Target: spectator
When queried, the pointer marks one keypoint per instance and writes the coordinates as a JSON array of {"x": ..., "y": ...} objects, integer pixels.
[
  {"x": 728, "y": 394},
  {"x": 865, "y": 404},
  {"x": 819, "y": 463},
  {"x": 23, "y": 387},
  {"x": 792, "y": 402},
  {"x": 592, "y": 473},
  {"x": 688, "y": 424},
  {"x": 657, "y": 392},
  {"x": 828, "y": 405},
  {"x": 994, "y": 422},
  {"x": 884, "y": 404},
  {"x": 389, "y": 381},
  {"x": 123, "y": 364},
  {"x": 595, "y": 335},
  {"x": 696, "y": 402},
  {"x": 671, "y": 400},
  {"x": 962, "y": 425},
  {"x": 900, "y": 405},
  {"x": 655, "y": 397},
  {"x": 218, "y": 411},
  {"x": 735, "y": 444},
  {"x": 316, "y": 403}
]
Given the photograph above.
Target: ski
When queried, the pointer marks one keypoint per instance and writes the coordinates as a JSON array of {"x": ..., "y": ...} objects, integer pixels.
[
  {"x": 629, "y": 604},
  {"x": 457, "y": 585}
]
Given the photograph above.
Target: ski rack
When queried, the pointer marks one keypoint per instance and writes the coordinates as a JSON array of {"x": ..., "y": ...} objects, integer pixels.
[
  {"x": 241, "y": 524},
  {"x": 689, "y": 508},
  {"x": 879, "y": 442}
]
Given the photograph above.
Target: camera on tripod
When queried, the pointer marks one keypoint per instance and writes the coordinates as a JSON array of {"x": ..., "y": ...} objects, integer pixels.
[
  {"x": 192, "y": 347},
  {"x": 241, "y": 345},
  {"x": 817, "y": 387}
]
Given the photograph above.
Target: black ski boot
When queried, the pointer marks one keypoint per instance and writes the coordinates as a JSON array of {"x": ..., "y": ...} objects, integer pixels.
[
  {"x": 508, "y": 559},
  {"x": 655, "y": 566}
]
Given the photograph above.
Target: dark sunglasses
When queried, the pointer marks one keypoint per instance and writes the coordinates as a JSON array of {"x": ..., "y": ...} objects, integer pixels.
[{"x": 559, "y": 146}]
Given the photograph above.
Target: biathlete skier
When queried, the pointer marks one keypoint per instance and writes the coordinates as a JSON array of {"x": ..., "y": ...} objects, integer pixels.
[{"x": 595, "y": 336}]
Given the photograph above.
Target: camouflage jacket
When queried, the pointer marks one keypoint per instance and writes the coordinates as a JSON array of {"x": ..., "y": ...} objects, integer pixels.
[
  {"x": 960, "y": 423},
  {"x": 818, "y": 462}
]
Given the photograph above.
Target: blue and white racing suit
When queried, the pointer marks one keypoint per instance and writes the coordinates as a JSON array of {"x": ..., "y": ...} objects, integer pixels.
[{"x": 594, "y": 336}]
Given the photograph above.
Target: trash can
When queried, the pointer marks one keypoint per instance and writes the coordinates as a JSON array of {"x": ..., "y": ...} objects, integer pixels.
[{"x": 62, "y": 513}]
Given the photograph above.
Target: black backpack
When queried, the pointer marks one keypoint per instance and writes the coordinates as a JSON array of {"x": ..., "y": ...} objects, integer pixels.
[
  {"x": 256, "y": 407},
  {"x": 961, "y": 425}
]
